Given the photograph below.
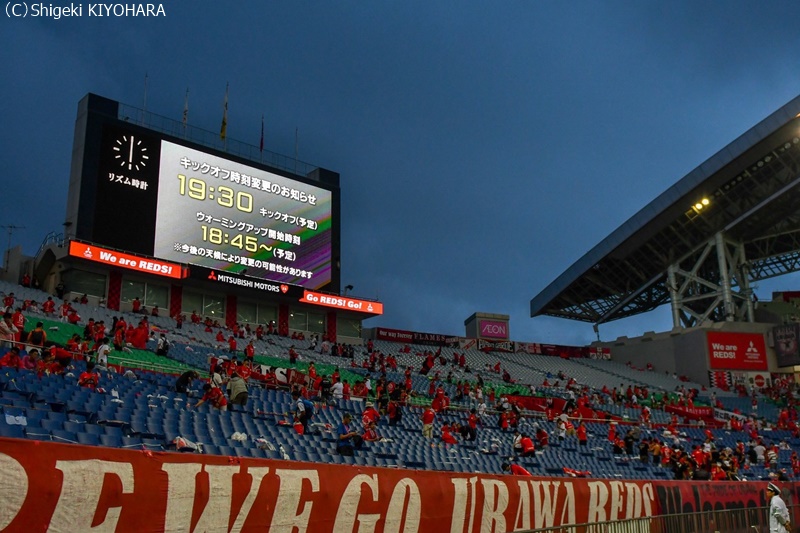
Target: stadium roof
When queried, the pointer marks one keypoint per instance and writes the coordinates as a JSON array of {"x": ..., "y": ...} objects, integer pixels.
[{"x": 753, "y": 197}]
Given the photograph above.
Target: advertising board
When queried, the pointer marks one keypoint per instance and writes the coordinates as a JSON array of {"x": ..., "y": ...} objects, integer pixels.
[
  {"x": 736, "y": 351},
  {"x": 162, "y": 199}
]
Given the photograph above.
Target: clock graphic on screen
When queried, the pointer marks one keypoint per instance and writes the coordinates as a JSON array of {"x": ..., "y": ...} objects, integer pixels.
[{"x": 130, "y": 152}]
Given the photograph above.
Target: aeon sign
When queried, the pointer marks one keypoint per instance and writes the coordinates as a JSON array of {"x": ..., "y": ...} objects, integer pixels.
[{"x": 493, "y": 329}]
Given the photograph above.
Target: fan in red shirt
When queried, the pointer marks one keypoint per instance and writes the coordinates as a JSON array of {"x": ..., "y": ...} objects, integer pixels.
[
  {"x": 472, "y": 423},
  {"x": 8, "y": 301},
  {"x": 717, "y": 473},
  {"x": 542, "y": 437},
  {"x": 359, "y": 389},
  {"x": 583, "y": 439},
  {"x": 515, "y": 470},
  {"x": 18, "y": 319},
  {"x": 528, "y": 449},
  {"x": 249, "y": 351},
  {"x": 243, "y": 370},
  {"x": 448, "y": 437},
  {"x": 612, "y": 432},
  {"x": 371, "y": 434},
  {"x": 214, "y": 396},
  {"x": 64, "y": 309},
  {"x": 369, "y": 415},
  {"x": 89, "y": 378},
  {"x": 49, "y": 307},
  {"x": 73, "y": 317},
  {"x": 11, "y": 359}
]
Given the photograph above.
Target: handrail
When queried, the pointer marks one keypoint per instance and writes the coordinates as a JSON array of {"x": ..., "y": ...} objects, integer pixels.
[{"x": 750, "y": 520}]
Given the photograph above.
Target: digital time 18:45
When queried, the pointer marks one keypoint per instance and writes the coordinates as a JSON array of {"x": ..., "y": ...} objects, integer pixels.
[
  {"x": 198, "y": 189},
  {"x": 243, "y": 242}
]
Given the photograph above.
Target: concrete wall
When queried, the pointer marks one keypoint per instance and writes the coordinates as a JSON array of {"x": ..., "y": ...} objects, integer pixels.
[{"x": 683, "y": 351}]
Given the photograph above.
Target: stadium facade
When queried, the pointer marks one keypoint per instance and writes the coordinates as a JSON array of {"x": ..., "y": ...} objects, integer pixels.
[{"x": 186, "y": 220}]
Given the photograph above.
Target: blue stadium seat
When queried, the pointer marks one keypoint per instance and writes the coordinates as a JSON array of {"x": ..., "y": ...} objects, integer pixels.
[
  {"x": 131, "y": 442},
  {"x": 62, "y": 435},
  {"x": 90, "y": 439},
  {"x": 111, "y": 441},
  {"x": 11, "y": 430}
]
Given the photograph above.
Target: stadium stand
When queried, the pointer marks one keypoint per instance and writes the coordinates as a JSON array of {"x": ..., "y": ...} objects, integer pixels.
[{"x": 140, "y": 409}]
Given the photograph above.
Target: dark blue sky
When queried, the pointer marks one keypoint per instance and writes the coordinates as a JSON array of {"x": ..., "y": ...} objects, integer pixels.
[{"x": 482, "y": 147}]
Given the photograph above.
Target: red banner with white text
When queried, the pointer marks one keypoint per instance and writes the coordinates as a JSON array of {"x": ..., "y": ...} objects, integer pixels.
[
  {"x": 736, "y": 351},
  {"x": 67, "y": 488}
]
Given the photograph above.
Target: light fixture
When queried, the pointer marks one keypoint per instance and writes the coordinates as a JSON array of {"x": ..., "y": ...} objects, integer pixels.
[{"x": 705, "y": 201}]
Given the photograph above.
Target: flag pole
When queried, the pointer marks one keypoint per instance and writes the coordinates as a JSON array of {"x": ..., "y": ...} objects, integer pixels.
[
  {"x": 185, "y": 112},
  {"x": 223, "y": 131},
  {"x": 144, "y": 100},
  {"x": 261, "y": 144}
]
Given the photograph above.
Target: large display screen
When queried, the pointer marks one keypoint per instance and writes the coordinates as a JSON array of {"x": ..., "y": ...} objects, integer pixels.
[
  {"x": 224, "y": 215},
  {"x": 173, "y": 202}
]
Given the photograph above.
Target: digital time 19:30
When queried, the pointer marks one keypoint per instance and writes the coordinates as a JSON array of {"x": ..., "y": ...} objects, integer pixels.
[{"x": 198, "y": 189}]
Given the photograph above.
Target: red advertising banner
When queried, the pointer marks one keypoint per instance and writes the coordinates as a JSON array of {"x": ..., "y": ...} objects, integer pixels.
[
  {"x": 67, "y": 488},
  {"x": 414, "y": 337},
  {"x": 342, "y": 302},
  {"x": 486, "y": 345},
  {"x": 736, "y": 351},
  {"x": 493, "y": 329},
  {"x": 394, "y": 335},
  {"x": 131, "y": 262},
  {"x": 693, "y": 413}
]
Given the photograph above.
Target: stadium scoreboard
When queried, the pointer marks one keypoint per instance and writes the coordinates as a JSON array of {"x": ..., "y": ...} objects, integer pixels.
[{"x": 138, "y": 190}]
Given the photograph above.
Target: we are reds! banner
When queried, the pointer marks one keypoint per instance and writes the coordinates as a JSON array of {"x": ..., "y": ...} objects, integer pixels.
[
  {"x": 736, "y": 351},
  {"x": 67, "y": 488}
]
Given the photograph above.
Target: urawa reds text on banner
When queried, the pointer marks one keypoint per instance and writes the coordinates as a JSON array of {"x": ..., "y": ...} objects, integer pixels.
[{"x": 66, "y": 488}]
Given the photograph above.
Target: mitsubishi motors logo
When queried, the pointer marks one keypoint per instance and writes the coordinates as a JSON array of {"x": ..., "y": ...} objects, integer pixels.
[
  {"x": 752, "y": 350},
  {"x": 88, "y": 253},
  {"x": 212, "y": 276}
]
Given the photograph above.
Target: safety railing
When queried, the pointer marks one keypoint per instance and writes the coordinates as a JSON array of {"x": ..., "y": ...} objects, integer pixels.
[{"x": 749, "y": 520}]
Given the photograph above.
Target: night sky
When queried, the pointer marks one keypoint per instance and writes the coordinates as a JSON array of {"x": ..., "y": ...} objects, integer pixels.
[{"x": 483, "y": 147}]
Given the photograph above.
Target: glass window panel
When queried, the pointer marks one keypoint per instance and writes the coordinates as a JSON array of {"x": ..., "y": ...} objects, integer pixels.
[
  {"x": 316, "y": 322},
  {"x": 246, "y": 312},
  {"x": 214, "y": 307},
  {"x": 78, "y": 281},
  {"x": 298, "y": 320},
  {"x": 131, "y": 290},
  {"x": 267, "y": 314},
  {"x": 348, "y": 327},
  {"x": 156, "y": 295},
  {"x": 192, "y": 302}
]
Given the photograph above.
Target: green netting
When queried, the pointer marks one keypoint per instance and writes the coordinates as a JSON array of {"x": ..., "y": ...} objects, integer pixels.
[
  {"x": 322, "y": 368},
  {"x": 61, "y": 332},
  {"x": 58, "y": 332}
]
